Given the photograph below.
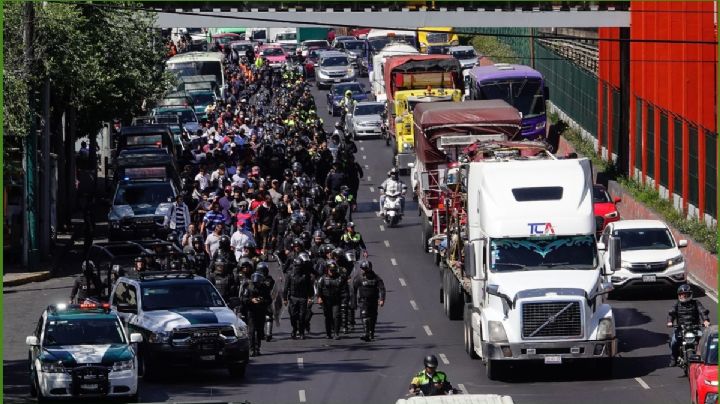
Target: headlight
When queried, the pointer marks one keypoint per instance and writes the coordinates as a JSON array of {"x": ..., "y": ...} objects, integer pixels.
[
  {"x": 689, "y": 335},
  {"x": 540, "y": 125},
  {"x": 606, "y": 329},
  {"x": 711, "y": 382},
  {"x": 407, "y": 146},
  {"x": 497, "y": 332},
  {"x": 611, "y": 215},
  {"x": 677, "y": 260},
  {"x": 625, "y": 264},
  {"x": 159, "y": 337},
  {"x": 52, "y": 367},
  {"x": 114, "y": 224},
  {"x": 350, "y": 71},
  {"x": 123, "y": 365},
  {"x": 241, "y": 331}
]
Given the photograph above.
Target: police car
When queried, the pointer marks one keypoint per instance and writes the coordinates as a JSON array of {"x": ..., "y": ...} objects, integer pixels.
[
  {"x": 82, "y": 351},
  {"x": 183, "y": 321}
]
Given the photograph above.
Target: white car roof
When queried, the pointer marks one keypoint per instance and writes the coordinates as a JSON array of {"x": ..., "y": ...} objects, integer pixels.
[
  {"x": 639, "y": 224},
  {"x": 460, "y": 48},
  {"x": 370, "y": 103}
]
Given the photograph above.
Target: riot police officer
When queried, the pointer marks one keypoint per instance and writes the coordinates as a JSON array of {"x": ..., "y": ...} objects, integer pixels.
[
  {"x": 370, "y": 291},
  {"x": 197, "y": 256},
  {"x": 269, "y": 282},
  {"x": 221, "y": 276},
  {"x": 87, "y": 285},
  {"x": 332, "y": 293},
  {"x": 297, "y": 295},
  {"x": 255, "y": 297}
]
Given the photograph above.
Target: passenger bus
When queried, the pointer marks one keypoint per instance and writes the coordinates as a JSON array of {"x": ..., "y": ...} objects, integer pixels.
[
  {"x": 520, "y": 86},
  {"x": 198, "y": 64}
]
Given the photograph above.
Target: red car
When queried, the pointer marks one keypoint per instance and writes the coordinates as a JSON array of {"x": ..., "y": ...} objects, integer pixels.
[
  {"x": 605, "y": 208},
  {"x": 703, "y": 371}
]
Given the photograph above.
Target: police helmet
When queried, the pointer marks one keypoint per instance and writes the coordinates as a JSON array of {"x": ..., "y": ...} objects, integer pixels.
[
  {"x": 224, "y": 242},
  {"x": 297, "y": 261},
  {"x": 172, "y": 237},
  {"x": 257, "y": 277},
  {"x": 263, "y": 268},
  {"x": 139, "y": 259},
  {"x": 175, "y": 266},
  {"x": 319, "y": 234},
  {"x": 350, "y": 225},
  {"x": 297, "y": 242},
  {"x": 197, "y": 240},
  {"x": 366, "y": 266},
  {"x": 220, "y": 261},
  {"x": 245, "y": 262},
  {"x": 338, "y": 252},
  {"x": 431, "y": 361},
  {"x": 348, "y": 92},
  {"x": 305, "y": 257}
]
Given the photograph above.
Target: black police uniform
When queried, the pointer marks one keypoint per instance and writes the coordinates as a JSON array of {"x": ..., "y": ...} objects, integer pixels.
[
  {"x": 256, "y": 312},
  {"x": 690, "y": 313},
  {"x": 369, "y": 289},
  {"x": 298, "y": 289},
  {"x": 87, "y": 285},
  {"x": 333, "y": 290}
]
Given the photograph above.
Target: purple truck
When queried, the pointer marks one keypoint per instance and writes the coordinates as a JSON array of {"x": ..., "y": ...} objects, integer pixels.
[{"x": 520, "y": 86}]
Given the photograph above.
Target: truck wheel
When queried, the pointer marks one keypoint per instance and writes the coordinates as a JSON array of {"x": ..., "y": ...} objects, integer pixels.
[
  {"x": 237, "y": 371},
  {"x": 454, "y": 296},
  {"x": 493, "y": 369}
]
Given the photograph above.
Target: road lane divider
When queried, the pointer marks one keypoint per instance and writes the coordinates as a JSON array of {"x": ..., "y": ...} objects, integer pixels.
[
  {"x": 444, "y": 359},
  {"x": 393, "y": 262},
  {"x": 402, "y": 282},
  {"x": 414, "y": 305},
  {"x": 642, "y": 383},
  {"x": 387, "y": 243},
  {"x": 301, "y": 393},
  {"x": 300, "y": 363},
  {"x": 382, "y": 228},
  {"x": 427, "y": 330}
]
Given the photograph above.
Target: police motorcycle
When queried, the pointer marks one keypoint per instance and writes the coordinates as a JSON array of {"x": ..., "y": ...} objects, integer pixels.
[
  {"x": 690, "y": 335},
  {"x": 392, "y": 205}
]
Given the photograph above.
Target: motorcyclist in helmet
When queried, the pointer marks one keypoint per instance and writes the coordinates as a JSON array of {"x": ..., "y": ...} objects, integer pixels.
[
  {"x": 685, "y": 312},
  {"x": 393, "y": 184},
  {"x": 430, "y": 381},
  {"x": 352, "y": 240}
]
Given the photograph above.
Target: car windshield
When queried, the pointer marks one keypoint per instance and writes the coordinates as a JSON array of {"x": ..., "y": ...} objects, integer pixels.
[
  {"x": 542, "y": 253},
  {"x": 369, "y": 109},
  {"x": 290, "y": 36},
  {"x": 135, "y": 194},
  {"x": 203, "y": 98},
  {"x": 526, "y": 95},
  {"x": 464, "y": 54},
  {"x": 437, "y": 37},
  {"x": 354, "y": 45},
  {"x": 185, "y": 115},
  {"x": 340, "y": 90},
  {"x": 600, "y": 195},
  {"x": 273, "y": 52},
  {"x": 83, "y": 331},
  {"x": 712, "y": 354},
  {"x": 243, "y": 47},
  {"x": 335, "y": 61},
  {"x": 644, "y": 239},
  {"x": 180, "y": 295},
  {"x": 184, "y": 69}
]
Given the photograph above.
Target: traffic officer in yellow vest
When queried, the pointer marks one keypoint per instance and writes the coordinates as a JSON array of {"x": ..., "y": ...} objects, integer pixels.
[
  {"x": 353, "y": 240},
  {"x": 345, "y": 201},
  {"x": 430, "y": 381}
]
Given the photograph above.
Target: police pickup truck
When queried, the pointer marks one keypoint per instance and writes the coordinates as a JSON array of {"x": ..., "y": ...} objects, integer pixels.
[{"x": 183, "y": 321}]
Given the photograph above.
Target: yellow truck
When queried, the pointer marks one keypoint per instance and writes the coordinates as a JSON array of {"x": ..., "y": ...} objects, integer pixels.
[
  {"x": 409, "y": 80},
  {"x": 436, "y": 40}
]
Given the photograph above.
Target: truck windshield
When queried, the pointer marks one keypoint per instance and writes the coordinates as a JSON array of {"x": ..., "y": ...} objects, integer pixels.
[
  {"x": 526, "y": 95},
  {"x": 437, "y": 37},
  {"x": 144, "y": 194},
  {"x": 203, "y": 98},
  {"x": 542, "y": 253},
  {"x": 83, "y": 331},
  {"x": 180, "y": 295}
]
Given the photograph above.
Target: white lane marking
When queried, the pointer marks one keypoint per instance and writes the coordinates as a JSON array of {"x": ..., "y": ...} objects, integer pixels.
[
  {"x": 387, "y": 243},
  {"x": 300, "y": 363},
  {"x": 375, "y": 200},
  {"x": 444, "y": 358},
  {"x": 372, "y": 189},
  {"x": 367, "y": 166},
  {"x": 462, "y": 388},
  {"x": 369, "y": 178},
  {"x": 364, "y": 157},
  {"x": 392, "y": 261},
  {"x": 360, "y": 141},
  {"x": 402, "y": 282},
  {"x": 382, "y": 228},
  {"x": 642, "y": 383},
  {"x": 362, "y": 148},
  {"x": 427, "y": 330},
  {"x": 414, "y": 305},
  {"x": 301, "y": 393}
]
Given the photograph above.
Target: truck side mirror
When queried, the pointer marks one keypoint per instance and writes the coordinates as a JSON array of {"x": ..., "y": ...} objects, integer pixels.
[
  {"x": 614, "y": 253},
  {"x": 469, "y": 259}
]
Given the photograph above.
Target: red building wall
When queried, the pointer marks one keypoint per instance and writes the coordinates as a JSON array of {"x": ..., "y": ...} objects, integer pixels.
[{"x": 677, "y": 79}]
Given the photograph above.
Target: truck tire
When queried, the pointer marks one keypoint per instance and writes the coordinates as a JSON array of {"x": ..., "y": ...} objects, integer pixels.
[
  {"x": 494, "y": 369},
  {"x": 454, "y": 296}
]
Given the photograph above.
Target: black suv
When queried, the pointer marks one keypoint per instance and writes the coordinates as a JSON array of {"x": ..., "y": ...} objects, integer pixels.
[{"x": 183, "y": 320}]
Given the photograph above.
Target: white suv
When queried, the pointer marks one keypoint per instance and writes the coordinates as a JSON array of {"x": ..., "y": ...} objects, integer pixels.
[{"x": 648, "y": 252}]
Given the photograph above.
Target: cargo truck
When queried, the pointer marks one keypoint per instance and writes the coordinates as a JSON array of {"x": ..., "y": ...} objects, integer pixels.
[
  {"x": 411, "y": 80},
  {"x": 522, "y": 268}
]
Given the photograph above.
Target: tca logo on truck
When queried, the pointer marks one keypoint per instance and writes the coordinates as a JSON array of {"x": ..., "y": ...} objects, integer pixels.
[{"x": 541, "y": 229}]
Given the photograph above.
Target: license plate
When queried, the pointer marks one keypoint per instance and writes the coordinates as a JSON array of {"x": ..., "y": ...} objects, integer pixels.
[
  {"x": 337, "y": 80},
  {"x": 649, "y": 278},
  {"x": 553, "y": 360},
  {"x": 207, "y": 347},
  {"x": 207, "y": 357},
  {"x": 90, "y": 386}
]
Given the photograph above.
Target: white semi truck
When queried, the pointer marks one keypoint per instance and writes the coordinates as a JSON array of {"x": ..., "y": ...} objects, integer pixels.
[{"x": 521, "y": 266}]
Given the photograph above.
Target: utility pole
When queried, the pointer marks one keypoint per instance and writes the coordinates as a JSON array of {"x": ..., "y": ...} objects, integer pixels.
[
  {"x": 45, "y": 191},
  {"x": 623, "y": 160},
  {"x": 30, "y": 252},
  {"x": 532, "y": 47}
]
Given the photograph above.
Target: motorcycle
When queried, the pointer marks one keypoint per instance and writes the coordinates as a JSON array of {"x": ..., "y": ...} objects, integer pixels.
[
  {"x": 433, "y": 389},
  {"x": 392, "y": 207},
  {"x": 690, "y": 337}
]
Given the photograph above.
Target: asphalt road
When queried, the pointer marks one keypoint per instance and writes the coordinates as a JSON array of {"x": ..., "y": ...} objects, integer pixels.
[{"x": 410, "y": 326}]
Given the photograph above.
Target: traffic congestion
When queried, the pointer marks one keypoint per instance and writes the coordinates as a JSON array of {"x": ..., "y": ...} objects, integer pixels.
[{"x": 282, "y": 203}]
